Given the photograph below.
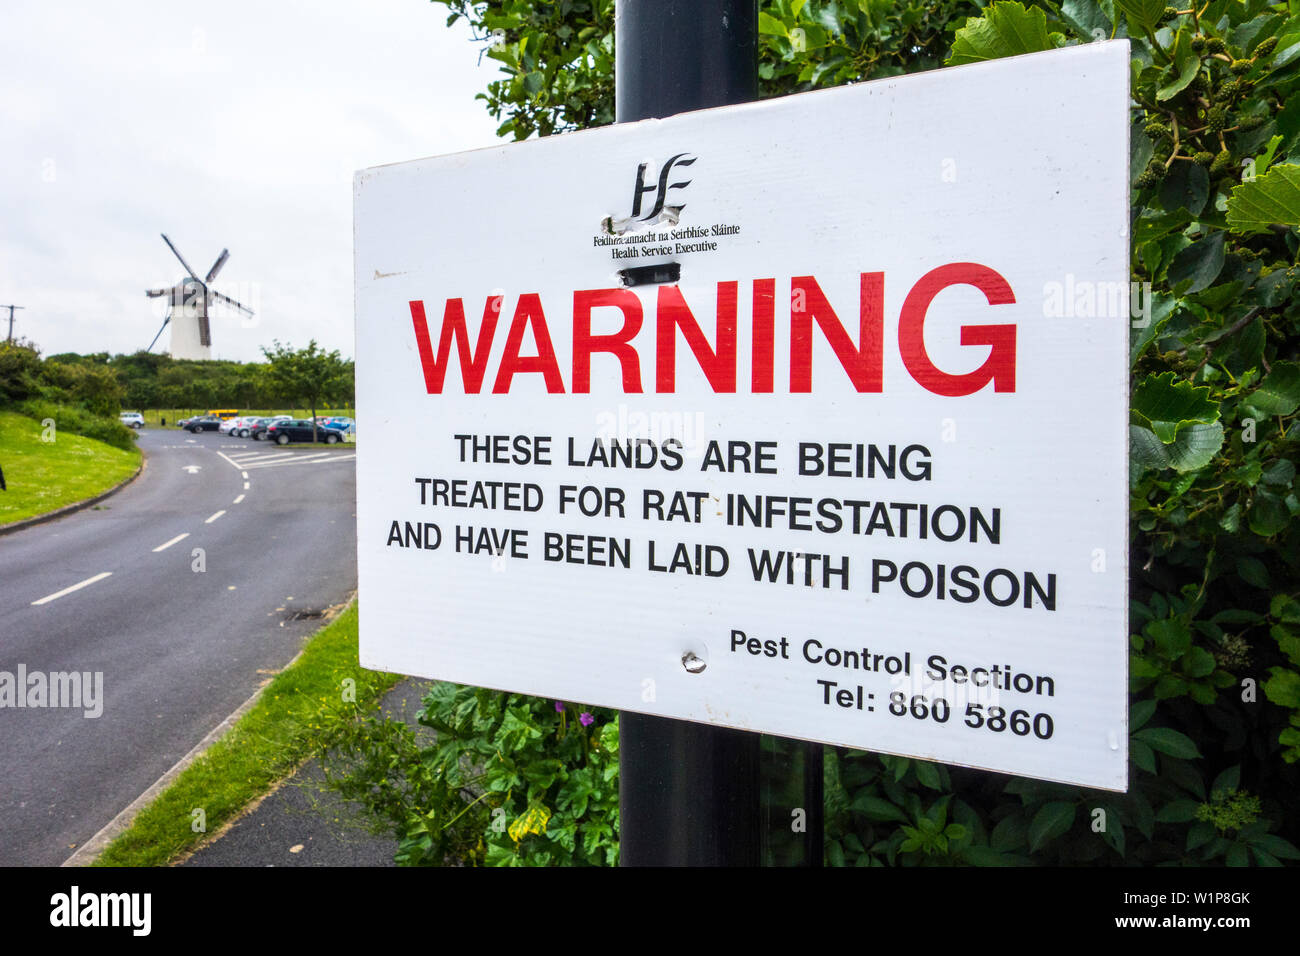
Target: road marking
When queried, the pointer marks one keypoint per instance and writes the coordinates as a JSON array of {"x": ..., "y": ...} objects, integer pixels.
[
  {"x": 192, "y": 469},
  {"x": 292, "y": 455},
  {"x": 238, "y": 500},
  {"x": 215, "y": 516},
  {"x": 76, "y": 587},
  {"x": 167, "y": 544},
  {"x": 258, "y": 459},
  {"x": 243, "y": 474},
  {"x": 229, "y": 459},
  {"x": 245, "y": 486},
  {"x": 322, "y": 459}
]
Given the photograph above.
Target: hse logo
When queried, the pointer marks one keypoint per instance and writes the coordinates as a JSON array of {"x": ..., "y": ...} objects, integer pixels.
[{"x": 660, "y": 188}]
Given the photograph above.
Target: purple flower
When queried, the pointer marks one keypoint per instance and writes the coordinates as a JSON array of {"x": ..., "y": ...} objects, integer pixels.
[
  {"x": 559, "y": 706},
  {"x": 586, "y": 719}
]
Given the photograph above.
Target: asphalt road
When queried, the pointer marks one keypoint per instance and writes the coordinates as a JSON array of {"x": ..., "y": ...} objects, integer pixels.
[{"x": 178, "y": 648}]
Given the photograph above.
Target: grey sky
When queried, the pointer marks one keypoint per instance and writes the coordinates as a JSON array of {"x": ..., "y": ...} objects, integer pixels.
[{"x": 235, "y": 124}]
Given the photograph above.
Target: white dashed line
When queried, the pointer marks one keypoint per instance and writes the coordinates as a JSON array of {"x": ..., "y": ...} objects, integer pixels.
[
  {"x": 245, "y": 486},
  {"x": 76, "y": 587},
  {"x": 238, "y": 500},
  {"x": 244, "y": 474},
  {"x": 324, "y": 458},
  {"x": 215, "y": 516},
  {"x": 167, "y": 544}
]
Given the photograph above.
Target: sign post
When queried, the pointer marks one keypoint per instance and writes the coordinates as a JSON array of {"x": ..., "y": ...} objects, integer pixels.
[{"x": 690, "y": 793}]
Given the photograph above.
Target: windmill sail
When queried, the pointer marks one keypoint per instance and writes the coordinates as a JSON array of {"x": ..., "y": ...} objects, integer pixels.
[{"x": 189, "y": 303}]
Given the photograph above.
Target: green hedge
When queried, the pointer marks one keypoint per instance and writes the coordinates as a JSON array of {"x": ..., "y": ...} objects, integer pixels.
[{"x": 78, "y": 421}]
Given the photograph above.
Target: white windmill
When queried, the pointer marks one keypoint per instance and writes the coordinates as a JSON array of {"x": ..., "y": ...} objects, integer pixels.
[{"x": 190, "y": 300}]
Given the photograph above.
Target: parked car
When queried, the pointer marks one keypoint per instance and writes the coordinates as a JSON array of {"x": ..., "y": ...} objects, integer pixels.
[
  {"x": 197, "y": 425},
  {"x": 132, "y": 419},
  {"x": 283, "y": 432},
  {"x": 257, "y": 426}
]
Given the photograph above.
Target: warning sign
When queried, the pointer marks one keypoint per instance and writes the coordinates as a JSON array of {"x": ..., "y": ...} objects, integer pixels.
[{"x": 773, "y": 416}]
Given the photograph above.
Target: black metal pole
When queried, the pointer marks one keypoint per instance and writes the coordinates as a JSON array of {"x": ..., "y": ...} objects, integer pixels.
[{"x": 690, "y": 794}]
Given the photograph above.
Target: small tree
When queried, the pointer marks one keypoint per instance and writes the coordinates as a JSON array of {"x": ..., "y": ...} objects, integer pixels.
[{"x": 308, "y": 375}]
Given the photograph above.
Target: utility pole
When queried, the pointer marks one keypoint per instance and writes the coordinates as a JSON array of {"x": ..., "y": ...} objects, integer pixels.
[
  {"x": 11, "y": 318},
  {"x": 690, "y": 794}
]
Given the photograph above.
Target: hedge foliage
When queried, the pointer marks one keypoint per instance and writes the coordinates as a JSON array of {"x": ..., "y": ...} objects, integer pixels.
[{"x": 1215, "y": 553}]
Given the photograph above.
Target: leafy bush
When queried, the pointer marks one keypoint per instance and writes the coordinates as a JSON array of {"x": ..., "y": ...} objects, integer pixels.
[
  {"x": 20, "y": 372},
  {"x": 78, "y": 421},
  {"x": 1215, "y": 663},
  {"x": 508, "y": 781}
]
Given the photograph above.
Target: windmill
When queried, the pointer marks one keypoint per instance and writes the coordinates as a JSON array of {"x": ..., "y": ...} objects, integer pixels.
[{"x": 190, "y": 300}]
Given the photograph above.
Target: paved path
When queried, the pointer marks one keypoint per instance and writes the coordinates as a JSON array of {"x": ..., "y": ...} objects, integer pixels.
[{"x": 114, "y": 589}]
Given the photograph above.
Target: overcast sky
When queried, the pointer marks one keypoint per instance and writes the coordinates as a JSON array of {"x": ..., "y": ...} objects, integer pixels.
[{"x": 235, "y": 124}]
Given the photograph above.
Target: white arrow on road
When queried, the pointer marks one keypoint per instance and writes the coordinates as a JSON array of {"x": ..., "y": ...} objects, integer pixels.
[{"x": 191, "y": 468}]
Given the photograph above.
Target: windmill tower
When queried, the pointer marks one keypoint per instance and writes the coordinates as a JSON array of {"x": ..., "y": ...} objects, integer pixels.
[{"x": 190, "y": 300}]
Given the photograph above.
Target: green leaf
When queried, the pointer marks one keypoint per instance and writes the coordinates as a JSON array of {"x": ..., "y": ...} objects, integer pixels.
[
  {"x": 1283, "y": 687},
  {"x": 1200, "y": 662},
  {"x": 1005, "y": 29},
  {"x": 874, "y": 808},
  {"x": 1196, "y": 447},
  {"x": 771, "y": 26},
  {"x": 1172, "y": 637},
  {"x": 1165, "y": 405},
  {"x": 1178, "y": 811},
  {"x": 1084, "y": 17},
  {"x": 1140, "y": 713},
  {"x": 1186, "y": 64},
  {"x": 1271, "y": 199},
  {"x": 928, "y": 774},
  {"x": 1146, "y": 14},
  {"x": 1226, "y": 782},
  {"x": 1268, "y": 514},
  {"x": 1050, "y": 822},
  {"x": 1168, "y": 741},
  {"x": 1276, "y": 846},
  {"x": 1197, "y": 266},
  {"x": 1185, "y": 187},
  {"x": 1252, "y": 571},
  {"x": 1009, "y": 834},
  {"x": 1279, "y": 392},
  {"x": 1285, "y": 608}
]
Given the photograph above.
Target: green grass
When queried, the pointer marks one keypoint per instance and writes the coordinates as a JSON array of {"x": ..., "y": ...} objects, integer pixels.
[
  {"x": 45, "y": 475},
  {"x": 286, "y": 726}
]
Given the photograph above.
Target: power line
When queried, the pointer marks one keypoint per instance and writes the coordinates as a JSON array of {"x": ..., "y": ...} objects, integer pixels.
[{"x": 11, "y": 318}]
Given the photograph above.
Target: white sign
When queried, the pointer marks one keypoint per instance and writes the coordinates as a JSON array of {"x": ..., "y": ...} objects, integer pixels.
[{"x": 848, "y": 464}]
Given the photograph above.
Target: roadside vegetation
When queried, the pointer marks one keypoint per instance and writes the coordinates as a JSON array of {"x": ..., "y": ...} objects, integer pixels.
[
  {"x": 43, "y": 475},
  {"x": 300, "y": 708}
]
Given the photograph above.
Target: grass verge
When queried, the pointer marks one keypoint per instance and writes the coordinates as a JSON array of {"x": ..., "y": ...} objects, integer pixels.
[
  {"x": 43, "y": 476},
  {"x": 285, "y": 727}
]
